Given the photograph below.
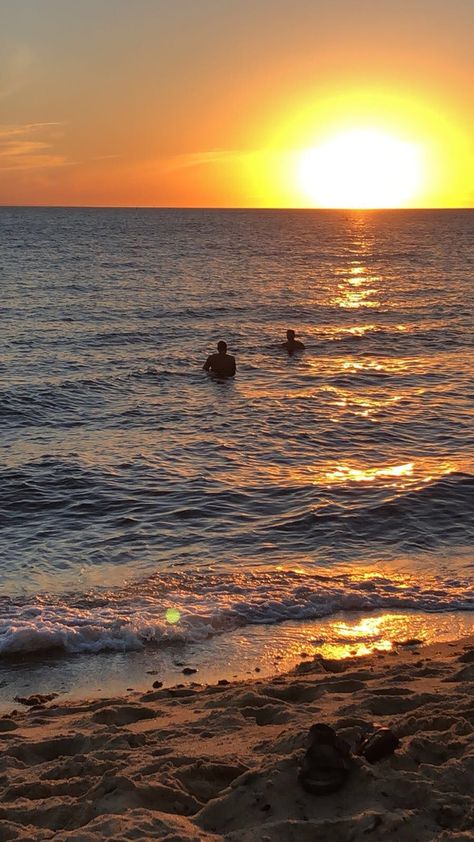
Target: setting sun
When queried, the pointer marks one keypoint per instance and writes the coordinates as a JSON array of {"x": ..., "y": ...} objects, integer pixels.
[{"x": 362, "y": 168}]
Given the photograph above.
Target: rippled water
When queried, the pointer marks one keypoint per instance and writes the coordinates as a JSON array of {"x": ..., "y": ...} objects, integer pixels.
[{"x": 142, "y": 500}]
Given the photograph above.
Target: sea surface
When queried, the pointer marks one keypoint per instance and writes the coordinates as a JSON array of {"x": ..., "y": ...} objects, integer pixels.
[{"x": 143, "y": 501}]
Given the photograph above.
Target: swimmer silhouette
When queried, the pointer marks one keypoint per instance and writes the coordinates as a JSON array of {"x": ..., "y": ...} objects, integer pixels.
[
  {"x": 221, "y": 363},
  {"x": 291, "y": 343}
]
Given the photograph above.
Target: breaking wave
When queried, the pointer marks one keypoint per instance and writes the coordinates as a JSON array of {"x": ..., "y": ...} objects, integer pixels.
[{"x": 190, "y": 608}]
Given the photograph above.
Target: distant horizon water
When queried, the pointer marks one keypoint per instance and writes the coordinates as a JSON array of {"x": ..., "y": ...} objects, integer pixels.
[{"x": 239, "y": 208}]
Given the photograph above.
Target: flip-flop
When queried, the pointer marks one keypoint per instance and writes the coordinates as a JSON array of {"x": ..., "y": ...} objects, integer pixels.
[
  {"x": 327, "y": 763},
  {"x": 382, "y": 743}
]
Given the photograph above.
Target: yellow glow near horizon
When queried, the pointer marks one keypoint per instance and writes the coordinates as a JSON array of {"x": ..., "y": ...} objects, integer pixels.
[
  {"x": 361, "y": 168},
  {"x": 362, "y": 149}
]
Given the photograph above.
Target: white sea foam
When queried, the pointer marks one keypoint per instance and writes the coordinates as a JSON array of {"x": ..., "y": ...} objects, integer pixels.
[{"x": 166, "y": 609}]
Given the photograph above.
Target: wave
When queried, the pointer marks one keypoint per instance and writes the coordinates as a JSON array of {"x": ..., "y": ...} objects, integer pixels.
[
  {"x": 75, "y": 402},
  {"x": 62, "y": 404},
  {"x": 304, "y": 515},
  {"x": 63, "y": 486},
  {"x": 191, "y": 607},
  {"x": 152, "y": 373},
  {"x": 439, "y": 509}
]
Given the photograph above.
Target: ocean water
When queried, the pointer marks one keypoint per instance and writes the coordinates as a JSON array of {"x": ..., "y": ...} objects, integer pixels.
[{"x": 143, "y": 502}]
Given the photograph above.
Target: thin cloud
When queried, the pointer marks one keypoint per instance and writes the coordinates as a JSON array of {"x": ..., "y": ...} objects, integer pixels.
[
  {"x": 198, "y": 159},
  {"x": 105, "y": 157},
  {"x": 28, "y": 147},
  {"x": 24, "y": 128}
]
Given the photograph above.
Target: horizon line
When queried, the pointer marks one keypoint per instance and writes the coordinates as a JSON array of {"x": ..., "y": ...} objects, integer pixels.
[{"x": 232, "y": 208}]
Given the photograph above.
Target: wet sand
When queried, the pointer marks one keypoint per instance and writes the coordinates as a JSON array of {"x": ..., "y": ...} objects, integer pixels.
[
  {"x": 219, "y": 762},
  {"x": 269, "y": 649}
]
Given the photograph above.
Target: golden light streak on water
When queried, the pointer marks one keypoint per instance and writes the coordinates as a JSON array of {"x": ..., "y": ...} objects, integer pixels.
[
  {"x": 357, "y": 289},
  {"x": 386, "y": 365},
  {"x": 351, "y": 299},
  {"x": 345, "y": 473},
  {"x": 400, "y": 476},
  {"x": 346, "y": 637},
  {"x": 349, "y": 635},
  {"x": 344, "y": 330},
  {"x": 363, "y": 406},
  {"x": 351, "y": 365},
  {"x": 374, "y": 634}
]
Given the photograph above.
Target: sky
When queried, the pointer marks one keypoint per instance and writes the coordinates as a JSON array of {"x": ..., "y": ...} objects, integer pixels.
[{"x": 237, "y": 103}]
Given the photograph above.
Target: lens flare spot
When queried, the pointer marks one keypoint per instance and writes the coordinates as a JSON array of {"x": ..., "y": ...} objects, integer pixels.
[{"x": 173, "y": 616}]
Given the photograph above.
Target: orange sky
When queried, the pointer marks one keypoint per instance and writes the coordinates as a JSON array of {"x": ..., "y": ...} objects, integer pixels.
[{"x": 214, "y": 102}]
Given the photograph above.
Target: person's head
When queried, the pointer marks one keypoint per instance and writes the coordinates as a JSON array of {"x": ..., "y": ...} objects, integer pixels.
[
  {"x": 290, "y": 335},
  {"x": 222, "y": 347}
]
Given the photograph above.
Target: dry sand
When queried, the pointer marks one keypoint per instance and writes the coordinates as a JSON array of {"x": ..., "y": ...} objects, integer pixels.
[{"x": 220, "y": 762}]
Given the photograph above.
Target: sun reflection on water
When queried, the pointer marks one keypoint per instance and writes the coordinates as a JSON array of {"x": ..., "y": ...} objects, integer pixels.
[
  {"x": 352, "y": 299},
  {"x": 387, "y": 365},
  {"x": 357, "y": 330},
  {"x": 344, "y": 473},
  {"x": 358, "y": 288},
  {"x": 348, "y": 636},
  {"x": 362, "y": 405},
  {"x": 412, "y": 474},
  {"x": 380, "y": 633},
  {"x": 378, "y": 366}
]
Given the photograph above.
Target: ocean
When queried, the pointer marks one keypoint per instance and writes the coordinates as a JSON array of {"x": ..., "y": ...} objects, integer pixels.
[{"x": 320, "y": 499}]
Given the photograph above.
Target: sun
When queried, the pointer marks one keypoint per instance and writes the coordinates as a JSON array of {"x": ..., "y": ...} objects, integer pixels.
[{"x": 361, "y": 168}]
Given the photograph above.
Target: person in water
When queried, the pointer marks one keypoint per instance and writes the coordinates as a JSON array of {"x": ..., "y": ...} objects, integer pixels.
[
  {"x": 221, "y": 363},
  {"x": 292, "y": 344}
]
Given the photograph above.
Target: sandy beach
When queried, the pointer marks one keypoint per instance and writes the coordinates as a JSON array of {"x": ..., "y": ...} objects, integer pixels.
[{"x": 218, "y": 762}]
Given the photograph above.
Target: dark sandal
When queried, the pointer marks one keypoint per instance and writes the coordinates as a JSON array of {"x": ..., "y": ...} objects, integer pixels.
[
  {"x": 327, "y": 763},
  {"x": 382, "y": 743}
]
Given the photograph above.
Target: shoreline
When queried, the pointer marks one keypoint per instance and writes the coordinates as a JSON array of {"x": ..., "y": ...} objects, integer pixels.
[
  {"x": 245, "y": 653},
  {"x": 219, "y": 762}
]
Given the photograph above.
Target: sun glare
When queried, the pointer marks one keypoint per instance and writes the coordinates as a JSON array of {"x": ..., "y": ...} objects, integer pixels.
[{"x": 361, "y": 168}]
